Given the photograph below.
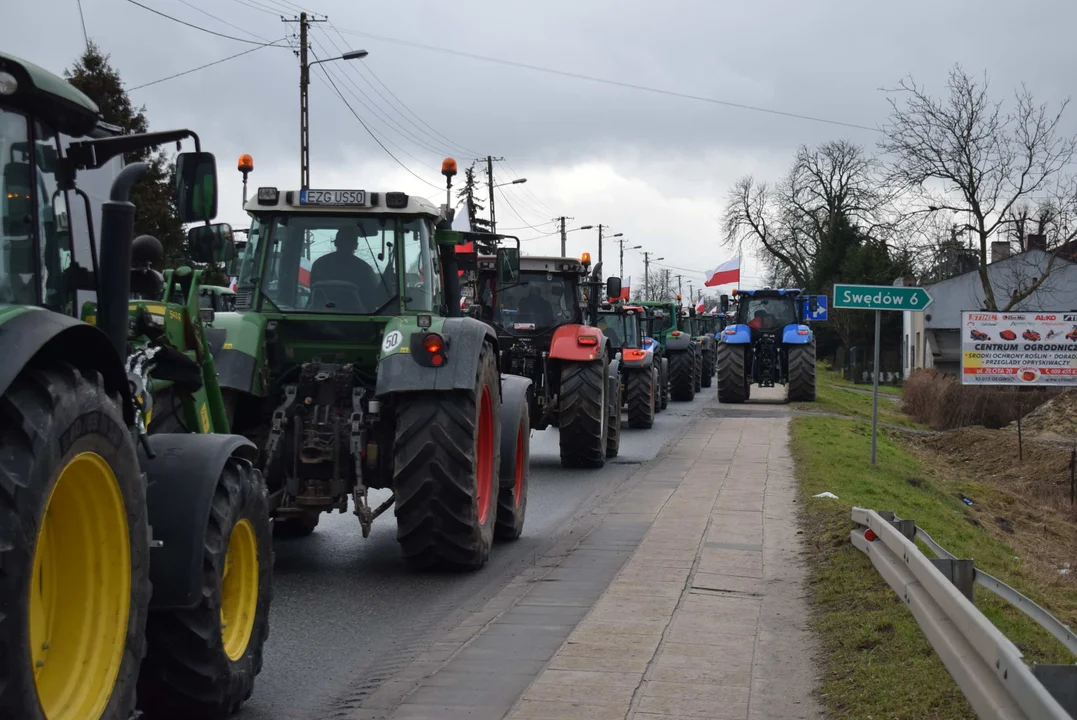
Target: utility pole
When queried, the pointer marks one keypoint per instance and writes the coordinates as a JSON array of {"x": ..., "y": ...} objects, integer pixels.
[
  {"x": 490, "y": 183},
  {"x": 680, "y": 287},
  {"x": 691, "y": 295},
  {"x": 564, "y": 238},
  {"x": 665, "y": 282},
  {"x": 646, "y": 275},
  {"x": 304, "y": 84},
  {"x": 600, "y": 243}
]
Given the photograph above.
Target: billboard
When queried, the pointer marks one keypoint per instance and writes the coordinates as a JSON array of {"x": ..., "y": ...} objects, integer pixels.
[{"x": 1018, "y": 348}]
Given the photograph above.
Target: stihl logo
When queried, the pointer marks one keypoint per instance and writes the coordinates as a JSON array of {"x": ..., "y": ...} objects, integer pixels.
[
  {"x": 1069, "y": 318},
  {"x": 982, "y": 316}
]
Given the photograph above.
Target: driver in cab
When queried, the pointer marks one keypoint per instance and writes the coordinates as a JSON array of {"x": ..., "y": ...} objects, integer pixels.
[
  {"x": 762, "y": 320},
  {"x": 342, "y": 265}
]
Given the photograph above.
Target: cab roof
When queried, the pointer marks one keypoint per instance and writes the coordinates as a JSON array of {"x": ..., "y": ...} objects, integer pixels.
[
  {"x": 540, "y": 263},
  {"x": 319, "y": 201},
  {"x": 770, "y": 292},
  {"x": 49, "y": 97}
]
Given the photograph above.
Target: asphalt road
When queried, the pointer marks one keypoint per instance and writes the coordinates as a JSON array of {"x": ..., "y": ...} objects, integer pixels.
[{"x": 347, "y": 613}]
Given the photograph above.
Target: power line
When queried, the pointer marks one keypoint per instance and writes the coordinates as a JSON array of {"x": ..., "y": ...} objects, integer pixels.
[
  {"x": 607, "y": 81},
  {"x": 196, "y": 27},
  {"x": 516, "y": 212},
  {"x": 82, "y": 17},
  {"x": 203, "y": 67},
  {"x": 378, "y": 112},
  {"x": 527, "y": 191},
  {"x": 225, "y": 22},
  {"x": 259, "y": 8},
  {"x": 366, "y": 68},
  {"x": 375, "y": 137}
]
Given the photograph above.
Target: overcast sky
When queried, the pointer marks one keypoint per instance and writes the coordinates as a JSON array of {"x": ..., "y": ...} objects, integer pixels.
[{"x": 649, "y": 165}]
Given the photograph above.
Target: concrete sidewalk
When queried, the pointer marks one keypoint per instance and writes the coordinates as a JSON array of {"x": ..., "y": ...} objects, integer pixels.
[
  {"x": 682, "y": 598},
  {"x": 706, "y": 620}
]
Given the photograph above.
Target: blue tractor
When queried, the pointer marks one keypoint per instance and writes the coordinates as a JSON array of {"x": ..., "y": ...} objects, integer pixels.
[{"x": 767, "y": 343}]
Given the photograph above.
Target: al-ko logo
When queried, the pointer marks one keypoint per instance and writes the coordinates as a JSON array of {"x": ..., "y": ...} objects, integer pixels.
[
  {"x": 982, "y": 316},
  {"x": 1046, "y": 317}
]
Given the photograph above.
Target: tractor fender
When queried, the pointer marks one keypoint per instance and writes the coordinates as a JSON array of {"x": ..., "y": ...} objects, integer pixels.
[
  {"x": 464, "y": 337},
  {"x": 239, "y": 357},
  {"x": 615, "y": 367},
  {"x": 565, "y": 343},
  {"x": 515, "y": 400},
  {"x": 796, "y": 335},
  {"x": 29, "y": 334},
  {"x": 637, "y": 358},
  {"x": 181, "y": 482},
  {"x": 680, "y": 342},
  {"x": 737, "y": 335}
]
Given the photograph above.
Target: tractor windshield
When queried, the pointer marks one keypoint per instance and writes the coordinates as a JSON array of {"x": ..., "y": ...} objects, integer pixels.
[
  {"x": 661, "y": 321},
  {"x": 767, "y": 313},
  {"x": 622, "y": 329},
  {"x": 347, "y": 264},
  {"x": 538, "y": 302}
]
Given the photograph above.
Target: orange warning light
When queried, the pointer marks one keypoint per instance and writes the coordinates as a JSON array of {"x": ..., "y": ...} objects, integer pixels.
[
  {"x": 448, "y": 167},
  {"x": 246, "y": 163}
]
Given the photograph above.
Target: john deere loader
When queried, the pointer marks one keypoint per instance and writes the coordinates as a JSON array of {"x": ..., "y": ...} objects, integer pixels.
[{"x": 129, "y": 559}]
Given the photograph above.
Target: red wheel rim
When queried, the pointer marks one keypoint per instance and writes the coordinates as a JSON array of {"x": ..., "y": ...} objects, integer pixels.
[
  {"x": 519, "y": 483},
  {"x": 484, "y": 466}
]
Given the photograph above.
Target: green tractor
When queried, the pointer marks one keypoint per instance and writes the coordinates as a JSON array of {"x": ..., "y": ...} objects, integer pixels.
[
  {"x": 701, "y": 328},
  {"x": 350, "y": 363},
  {"x": 132, "y": 560},
  {"x": 669, "y": 325}
]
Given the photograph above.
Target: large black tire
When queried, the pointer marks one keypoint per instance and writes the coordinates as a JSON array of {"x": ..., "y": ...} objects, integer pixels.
[
  {"x": 801, "y": 387},
  {"x": 295, "y": 526},
  {"x": 682, "y": 375},
  {"x": 190, "y": 668},
  {"x": 583, "y": 414},
  {"x": 641, "y": 398},
  {"x": 53, "y": 418},
  {"x": 708, "y": 365},
  {"x": 733, "y": 382},
  {"x": 447, "y": 462},
  {"x": 697, "y": 379},
  {"x": 515, "y": 467},
  {"x": 613, "y": 432},
  {"x": 665, "y": 383}
]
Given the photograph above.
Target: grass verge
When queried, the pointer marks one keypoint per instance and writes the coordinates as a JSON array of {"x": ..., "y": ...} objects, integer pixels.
[
  {"x": 876, "y": 660},
  {"x": 836, "y": 395}
]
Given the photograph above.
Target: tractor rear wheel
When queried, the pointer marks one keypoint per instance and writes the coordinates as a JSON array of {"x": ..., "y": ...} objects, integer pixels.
[
  {"x": 663, "y": 383},
  {"x": 202, "y": 662},
  {"x": 641, "y": 398},
  {"x": 516, "y": 468},
  {"x": 290, "y": 527},
  {"x": 708, "y": 366},
  {"x": 733, "y": 384},
  {"x": 583, "y": 414},
  {"x": 801, "y": 387},
  {"x": 682, "y": 375},
  {"x": 447, "y": 462},
  {"x": 74, "y": 548},
  {"x": 697, "y": 379},
  {"x": 613, "y": 433}
]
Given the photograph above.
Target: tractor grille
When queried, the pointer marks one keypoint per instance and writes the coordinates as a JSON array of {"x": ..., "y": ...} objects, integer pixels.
[{"x": 244, "y": 299}]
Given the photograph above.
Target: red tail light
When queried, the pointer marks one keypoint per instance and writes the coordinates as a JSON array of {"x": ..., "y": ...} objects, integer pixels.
[
  {"x": 587, "y": 340},
  {"x": 434, "y": 344}
]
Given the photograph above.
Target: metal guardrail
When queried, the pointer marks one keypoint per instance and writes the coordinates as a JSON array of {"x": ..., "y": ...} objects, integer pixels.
[{"x": 985, "y": 664}]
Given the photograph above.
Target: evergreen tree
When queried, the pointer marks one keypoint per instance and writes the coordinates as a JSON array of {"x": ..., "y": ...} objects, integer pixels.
[{"x": 156, "y": 212}]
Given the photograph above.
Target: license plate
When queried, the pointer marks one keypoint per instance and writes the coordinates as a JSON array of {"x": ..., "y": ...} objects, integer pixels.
[
  {"x": 332, "y": 197},
  {"x": 467, "y": 291},
  {"x": 523, "y": 326}
]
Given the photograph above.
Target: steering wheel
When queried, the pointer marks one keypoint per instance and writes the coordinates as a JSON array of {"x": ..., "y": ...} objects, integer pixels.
[{"x": 331, "y": 292}]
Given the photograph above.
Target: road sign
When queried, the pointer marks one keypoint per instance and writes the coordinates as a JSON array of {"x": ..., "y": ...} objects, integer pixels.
[
  {"x": 820, "y": 314},
  {"x": 880, "y": 297}
]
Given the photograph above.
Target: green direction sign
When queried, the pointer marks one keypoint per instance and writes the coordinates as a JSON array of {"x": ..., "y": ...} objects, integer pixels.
[{"x": 880, "y": 297}]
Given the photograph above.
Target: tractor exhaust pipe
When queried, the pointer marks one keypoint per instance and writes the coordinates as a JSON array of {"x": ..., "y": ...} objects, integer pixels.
[{"x": 117, "y": 234}]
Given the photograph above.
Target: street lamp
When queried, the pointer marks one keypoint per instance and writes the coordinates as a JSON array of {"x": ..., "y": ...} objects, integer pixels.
[
  {"x": 518, "y": 181},
  {"x": 564, "y": 235},
  {"x": 622, "y": 266},
  {"x": 304, "y": 117}
]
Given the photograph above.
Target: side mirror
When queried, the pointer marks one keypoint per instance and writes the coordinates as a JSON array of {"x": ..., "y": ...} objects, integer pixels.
[
  {"x": 508, "y": 265},
  {"x": 211, "y": 243},
  {"x": 613, "y": 287},
  {"x": 448, "y": 237},
  {"x": 196, "y": 186},
  {"x": 724, "y": 300},
  {"x": 208, "y": 315}
]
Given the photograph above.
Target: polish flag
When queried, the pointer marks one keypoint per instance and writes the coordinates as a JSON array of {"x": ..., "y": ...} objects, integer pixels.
[
  {"x": 304, "y": 272},
  {"x": 725, "y": 274},
  {"x": 626, "y": 289},
  {"x": 714, "y": 310},
  {"x": 234, "y": 283},
  {"x": 462, "y": 223},
  {"x": 700, "y": 308}
]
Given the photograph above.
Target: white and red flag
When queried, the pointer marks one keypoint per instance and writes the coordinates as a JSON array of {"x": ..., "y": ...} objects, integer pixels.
[
  {"x": 304, "y": 272},
  {"x": 700, "y": 307},
  {"x": 626, "y": 289},
  {"x": 725, "y": 274}
]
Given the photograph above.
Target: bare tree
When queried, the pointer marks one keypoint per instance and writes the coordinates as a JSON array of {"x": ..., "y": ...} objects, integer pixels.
[
  {"x": 966, "y": 153},
  {"x": 791, "y": 220}
]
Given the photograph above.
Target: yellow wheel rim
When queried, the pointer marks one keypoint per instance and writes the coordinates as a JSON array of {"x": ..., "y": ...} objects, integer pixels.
[
  {"x": 239, "y": 590},
  {"x": 81, "y": 591}
]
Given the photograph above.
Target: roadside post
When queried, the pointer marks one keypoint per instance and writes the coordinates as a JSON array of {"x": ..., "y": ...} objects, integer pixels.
[{"x": 879, "y": 298}]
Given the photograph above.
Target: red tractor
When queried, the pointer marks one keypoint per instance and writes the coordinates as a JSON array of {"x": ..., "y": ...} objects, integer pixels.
[
  {"x": 980, "y": 336},
  {"x": 1072, "y": 334},
  {"x": 545, "y": 321},
  {"x": 1031, "y": 335}
]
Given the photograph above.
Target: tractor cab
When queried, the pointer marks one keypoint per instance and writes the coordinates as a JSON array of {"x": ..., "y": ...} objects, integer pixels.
[{"x": 622, "y": 325}]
